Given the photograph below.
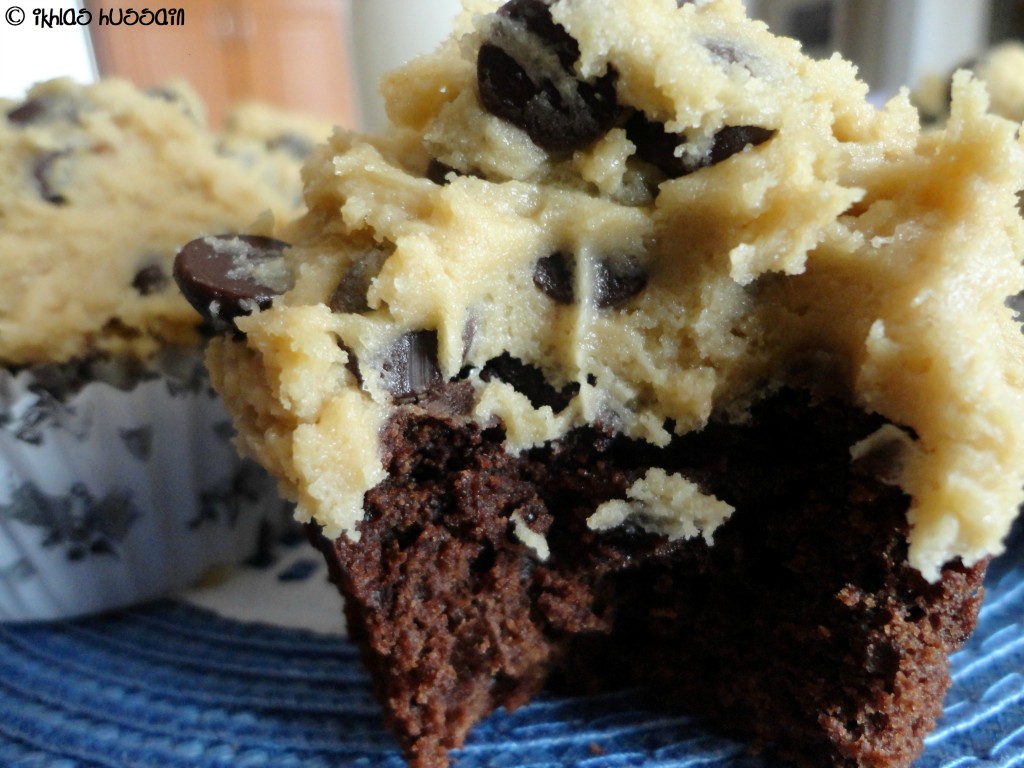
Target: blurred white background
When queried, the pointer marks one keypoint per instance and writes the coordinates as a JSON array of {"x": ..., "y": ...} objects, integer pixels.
[{"x": 29, "y": 53}]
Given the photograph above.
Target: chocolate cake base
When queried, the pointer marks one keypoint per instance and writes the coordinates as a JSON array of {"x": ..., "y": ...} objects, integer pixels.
[{"x": 801, "y": 628}]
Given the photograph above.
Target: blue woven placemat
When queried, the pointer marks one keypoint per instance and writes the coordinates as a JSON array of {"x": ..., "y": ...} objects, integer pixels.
[{"x": 171, "y": 684}]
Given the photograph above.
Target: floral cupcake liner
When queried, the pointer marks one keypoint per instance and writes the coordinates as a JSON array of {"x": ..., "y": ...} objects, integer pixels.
[{"x": 119, "y": 485}]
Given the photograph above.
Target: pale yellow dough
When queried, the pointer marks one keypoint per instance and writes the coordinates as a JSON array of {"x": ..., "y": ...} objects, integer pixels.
[
  {"x": 851, "y": 254},
  {"x": 138, "y": 174}
]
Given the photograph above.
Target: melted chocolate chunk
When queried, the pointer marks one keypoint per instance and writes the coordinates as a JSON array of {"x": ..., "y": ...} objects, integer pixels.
[
  {"x": 228, "y": 276},
  {"x": 411, "y": 370},
  {"x": 150, "y": 279},
  {"x": 528, "y": 380},
  {"x": 44, "y": 171},
  {"x": 658, "y": 147},
  {"x": 554, "y": 276},
  {"x": 558, "y": 111}
]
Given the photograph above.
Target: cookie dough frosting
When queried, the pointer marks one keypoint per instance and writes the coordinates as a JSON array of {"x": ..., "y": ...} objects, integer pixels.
[
  {"x": 99, "y": 185},
  {"x": 662, "y": 212}
]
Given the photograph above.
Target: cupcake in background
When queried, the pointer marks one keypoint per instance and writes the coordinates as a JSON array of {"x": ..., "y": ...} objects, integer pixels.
[
  {"x": 118, "y": 480},
  {"x": 999, "y": 67}
]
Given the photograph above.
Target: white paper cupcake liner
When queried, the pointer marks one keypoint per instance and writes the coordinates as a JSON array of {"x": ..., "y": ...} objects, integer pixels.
[{"x": 115, "y": 495}]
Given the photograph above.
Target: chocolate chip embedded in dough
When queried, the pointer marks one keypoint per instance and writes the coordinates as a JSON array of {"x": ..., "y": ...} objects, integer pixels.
[
  {"x": 734, "y": 138},
  {"x": 659, "y": 147},
  {"x": 350, "y": 295},
  {"x": 617, "y": 281},
  {"x": 229, "y": 276},
  {"x": 438, "y": 172},
  {"x": 45, "y": 173},
  {"x": 28, "y": 112},
  {"x": 530, "y": 381},
  {"x": 554, "y": 276},
  {"x": 410, "y": 370},
  {"x": 150, "y": 279},
  {"x": 541, "y": 93},
  {"x": 43, "y": 109}
]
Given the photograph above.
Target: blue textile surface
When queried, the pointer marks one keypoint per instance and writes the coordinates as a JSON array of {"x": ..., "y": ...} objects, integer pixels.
[{"x": 171, "y": 685}]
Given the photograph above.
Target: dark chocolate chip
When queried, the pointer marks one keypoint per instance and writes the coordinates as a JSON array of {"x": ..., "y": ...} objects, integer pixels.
[
  {"x": 734, "y": 138},
  {"x": 410, "y": 370},
  {"x": 554, "y": 276},
  {"x": 350, "y": 294},
  {"x": 28, "y": 112},
  {"x": 42, "y": 109},
  {"x": 150, "y": 279},
  {"x": 658, "y": 147},
  {"x": 557, "y": 110},
  {"x": 226, "y": 276},
  {"x": 528, "y": 380},
  {"x": 438, "y": 172},
  {"x": 1016, "y": 303},
  {"x": 616, "y": 282},
  {"x": 44, "y": 171},
  {"x": 535, "y": 17}
]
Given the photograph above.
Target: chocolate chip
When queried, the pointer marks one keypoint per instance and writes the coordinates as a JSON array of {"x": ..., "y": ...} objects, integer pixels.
[
  {"x": 734, "y": 138},
  {"x": 616, "y": 282},
  {"x": 27, "y": 112},
  {"x": 658, "y": 147},
  {"x": 554, "y": 276},
  {"x": 44, "y": 108},
  {"x": 616, "y": 279},
  {"x": 438, "y": 172},
  {"x": 528, "y": 380},
  {"x": 410, "y": 369},
  {"x": 350, "y": 294},
  {"x": 45, "y": 173},
  {"x": 149, "y": 280},
  {"x": 541, "y": 94},
  {"x": 228, "y": 276}
]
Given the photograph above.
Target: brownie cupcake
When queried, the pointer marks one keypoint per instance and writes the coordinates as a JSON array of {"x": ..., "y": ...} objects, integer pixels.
[
  {"x": 644, "y": 349},
  {"x": 118, "y": 481}
]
